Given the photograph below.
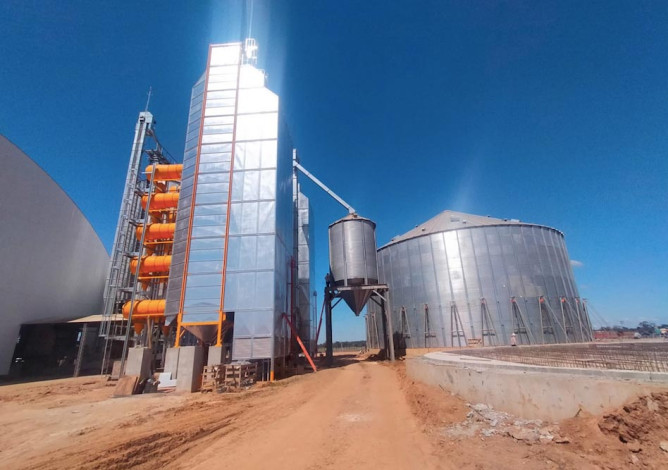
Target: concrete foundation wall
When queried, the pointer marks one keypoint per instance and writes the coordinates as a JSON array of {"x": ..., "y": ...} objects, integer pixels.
[
  {"x": 172, "y": 361},
  {"x": 216, "y": 355},
  {"x": 139, "y": 362},
  {"x": 191, "y": 365},
  {"x": 535, "y": 392}
]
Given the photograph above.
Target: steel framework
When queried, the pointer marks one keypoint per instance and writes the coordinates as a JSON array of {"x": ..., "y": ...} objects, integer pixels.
[
  {"x": 379, "y": 297},
  {"x": 122, "y": 283}
]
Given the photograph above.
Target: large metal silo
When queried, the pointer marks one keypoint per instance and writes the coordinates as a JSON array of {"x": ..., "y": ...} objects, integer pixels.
[
  {"x": 461, "y": 279},
  {"x": 352, "y": 257}
]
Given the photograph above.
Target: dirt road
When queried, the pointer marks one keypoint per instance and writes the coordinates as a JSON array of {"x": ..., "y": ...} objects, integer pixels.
[
  {"x": 356, "y": 417},
  {"x": 361, "y": 414},
  {"x": 350, "y": 416}
]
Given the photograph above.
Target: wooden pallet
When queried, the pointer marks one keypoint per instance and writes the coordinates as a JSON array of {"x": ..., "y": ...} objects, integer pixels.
[
  {"x": 223, "y": 377},
  {"x": 211, "y": 377},
  {"x": 239, "y": 375}
]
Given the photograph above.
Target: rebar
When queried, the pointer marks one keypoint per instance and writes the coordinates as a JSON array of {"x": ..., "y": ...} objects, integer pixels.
[{"x": 646, "y": 356}]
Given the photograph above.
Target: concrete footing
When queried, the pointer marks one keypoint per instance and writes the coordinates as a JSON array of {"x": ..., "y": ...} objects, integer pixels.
[
  {"x": 190, "y": 366},
  {"x": 216, "y": 355},
  {"x": 172, "y": 361},
  {"x": 534, "y": 392},
  {"x": 139, "y": 362}
]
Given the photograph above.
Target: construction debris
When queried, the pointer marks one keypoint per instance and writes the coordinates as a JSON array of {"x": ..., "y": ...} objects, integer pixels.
[
  {"x": 487, "y": 422},
  {"x": 126, "y": 386}
]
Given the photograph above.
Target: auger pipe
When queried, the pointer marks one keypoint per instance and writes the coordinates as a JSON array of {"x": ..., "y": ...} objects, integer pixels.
[{"x": 324, "y": 187}]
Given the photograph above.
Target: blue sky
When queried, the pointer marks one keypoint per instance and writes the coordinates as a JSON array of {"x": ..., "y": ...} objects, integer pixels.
[{"x": 550, "y": 112}]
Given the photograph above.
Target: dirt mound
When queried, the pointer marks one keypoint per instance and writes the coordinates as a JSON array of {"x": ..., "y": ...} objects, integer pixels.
[
  {"x": 434, "y": 407},
  {"x": 55, "y": 393},
  {"x": 476, "y": 437},
  {"x": 642, "y": 426}
]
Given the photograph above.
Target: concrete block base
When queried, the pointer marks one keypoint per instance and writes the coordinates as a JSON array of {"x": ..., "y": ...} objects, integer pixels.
[
  {"x": 216, "y": 355},
  {"x": 172, "y": 361},
  {"x": 139, "y": 362},
  {"x": 190, "y": 367}
]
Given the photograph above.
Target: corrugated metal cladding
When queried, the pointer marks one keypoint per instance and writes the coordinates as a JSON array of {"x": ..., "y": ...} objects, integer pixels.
[
  {"x": 305, "y": 273},
  {"x": 242, "y": 140},
  {"x": 460, "y": 278}
]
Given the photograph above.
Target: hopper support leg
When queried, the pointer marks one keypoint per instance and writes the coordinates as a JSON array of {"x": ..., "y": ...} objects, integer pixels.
[
  {"x": 329, "y": 350},
  {"x": 387, "y": 311}
]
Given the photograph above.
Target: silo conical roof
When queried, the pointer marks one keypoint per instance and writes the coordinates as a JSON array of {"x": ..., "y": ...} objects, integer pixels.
[{"x": 451, "y": 220}]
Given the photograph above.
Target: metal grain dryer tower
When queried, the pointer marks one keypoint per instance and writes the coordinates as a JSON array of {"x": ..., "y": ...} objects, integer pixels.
[{"x": 229, "y": 279}]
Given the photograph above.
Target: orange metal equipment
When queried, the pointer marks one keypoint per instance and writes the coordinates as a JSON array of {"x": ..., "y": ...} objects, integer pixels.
[
  {"x": 152, "y": 264},
  {"x": 162, "y": 201},
  {"x": 145, "y": 309},
  {"x": 165, "y": 172},
  {"x": 157, "y": 237},
  {"x": 301, "y": 344},
  {"x": 156, "y": 232}
]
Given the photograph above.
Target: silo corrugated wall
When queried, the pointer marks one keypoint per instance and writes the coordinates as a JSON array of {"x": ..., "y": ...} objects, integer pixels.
[{"x": 481, "y": 284}]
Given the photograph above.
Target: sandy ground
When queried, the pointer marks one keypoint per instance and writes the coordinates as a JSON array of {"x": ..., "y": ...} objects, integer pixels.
[{"x": 361, "y": 414}]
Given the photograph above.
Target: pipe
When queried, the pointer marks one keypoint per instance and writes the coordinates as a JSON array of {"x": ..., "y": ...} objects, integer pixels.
[
  {"x": 145, "y": 309},
  {"x": 152, "y": 264},
  {"x": 162, "y": 201},
  {"x": 165, "y": 172},
  {"x": 156, "y": 232},
  {"x": 324, "y": 187}
]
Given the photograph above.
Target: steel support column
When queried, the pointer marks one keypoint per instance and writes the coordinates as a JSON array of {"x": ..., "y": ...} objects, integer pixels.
[{"x": 329, "y": 353}]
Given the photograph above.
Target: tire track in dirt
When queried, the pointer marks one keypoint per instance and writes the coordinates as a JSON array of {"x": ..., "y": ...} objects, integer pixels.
[{"x": 350, "y": 417}]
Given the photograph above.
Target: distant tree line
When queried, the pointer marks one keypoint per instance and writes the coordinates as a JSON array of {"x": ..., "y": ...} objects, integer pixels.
[
  {"x": 346, "y": 344},
  {"x": 645, "y": 328}
]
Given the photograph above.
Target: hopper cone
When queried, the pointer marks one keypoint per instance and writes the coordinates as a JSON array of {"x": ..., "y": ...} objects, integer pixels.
[
  {"x": 204, "y": 333},
  {"x": 356, "y": 299}
]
